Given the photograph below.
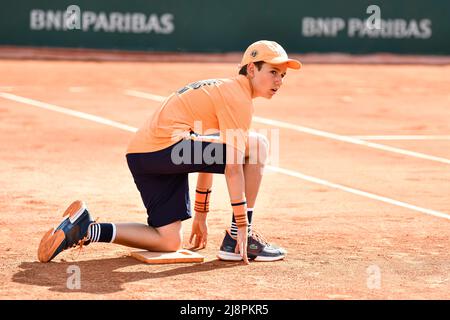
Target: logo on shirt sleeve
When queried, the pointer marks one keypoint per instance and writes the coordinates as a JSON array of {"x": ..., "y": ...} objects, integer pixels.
[{"x": 198, "y": 84}]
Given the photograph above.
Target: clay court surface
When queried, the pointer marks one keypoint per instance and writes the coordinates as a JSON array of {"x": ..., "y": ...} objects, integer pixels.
[{"x": 375, "y": 226}]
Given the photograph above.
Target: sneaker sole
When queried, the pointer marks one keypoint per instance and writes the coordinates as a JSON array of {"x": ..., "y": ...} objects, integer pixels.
[
  {"x": 51, "y": 240},
  {"x": 268, "y": 259},
  {"x": 75, "y": 210},
  {"x": 227, "y": 256}
]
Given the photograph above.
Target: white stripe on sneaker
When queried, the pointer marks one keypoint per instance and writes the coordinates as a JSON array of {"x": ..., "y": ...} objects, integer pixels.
[{"x": 80, "y": 211}]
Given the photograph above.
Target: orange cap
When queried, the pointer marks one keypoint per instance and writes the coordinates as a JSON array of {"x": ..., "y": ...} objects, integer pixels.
[{"x": 270, "y": 52}]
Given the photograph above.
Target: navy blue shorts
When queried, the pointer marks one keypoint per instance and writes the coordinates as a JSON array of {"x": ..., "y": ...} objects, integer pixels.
[{"x": 162, "y": 177}]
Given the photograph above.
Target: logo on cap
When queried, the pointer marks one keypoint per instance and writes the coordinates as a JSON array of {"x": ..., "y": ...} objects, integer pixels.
[{"x": 254, "y": 53}]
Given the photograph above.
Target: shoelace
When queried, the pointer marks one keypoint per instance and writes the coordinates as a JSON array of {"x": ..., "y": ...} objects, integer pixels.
[
  {"x": 81, "y": 242},
  {"x": 80, "y": 245},
  {"x": 258, "y": 237}
]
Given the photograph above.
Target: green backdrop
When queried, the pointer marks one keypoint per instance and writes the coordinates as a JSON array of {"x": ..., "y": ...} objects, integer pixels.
[{"x": 413, "y": 27}]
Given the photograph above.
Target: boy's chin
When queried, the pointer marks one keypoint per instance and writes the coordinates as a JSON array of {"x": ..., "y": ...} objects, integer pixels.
[{"x": 267, "y": 96}]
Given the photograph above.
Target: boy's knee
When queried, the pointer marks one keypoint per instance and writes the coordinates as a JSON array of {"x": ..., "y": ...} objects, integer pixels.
[
  {"x": 172, "y": 241},
  {"x": 173, "y": 244},
  {"x": 171, "y": 237}
]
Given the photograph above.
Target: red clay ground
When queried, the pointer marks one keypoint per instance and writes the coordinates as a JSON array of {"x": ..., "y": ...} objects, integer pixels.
[{"x": 333, "y": 237}]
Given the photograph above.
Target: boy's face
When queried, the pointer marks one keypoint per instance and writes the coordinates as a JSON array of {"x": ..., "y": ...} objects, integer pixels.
[{"x": 268, "y": 80}]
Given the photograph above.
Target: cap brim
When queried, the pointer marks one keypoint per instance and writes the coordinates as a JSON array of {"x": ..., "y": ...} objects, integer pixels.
[{"x": 291, "y": 63}]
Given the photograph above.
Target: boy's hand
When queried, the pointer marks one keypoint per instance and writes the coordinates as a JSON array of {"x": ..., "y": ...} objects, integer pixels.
[
  {"x": 199, "y": 233},
  {"x": 242, "y": 241}
]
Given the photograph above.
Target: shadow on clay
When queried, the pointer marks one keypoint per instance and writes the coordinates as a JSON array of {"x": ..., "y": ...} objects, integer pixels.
[{"x": 103, "y": 276}]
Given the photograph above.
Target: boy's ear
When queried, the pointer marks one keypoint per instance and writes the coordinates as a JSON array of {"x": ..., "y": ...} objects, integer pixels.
[{"x": 251, "y": 69}]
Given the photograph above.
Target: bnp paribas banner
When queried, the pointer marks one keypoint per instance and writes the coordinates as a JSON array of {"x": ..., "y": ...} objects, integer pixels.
[{"x": 350, "y": 26}]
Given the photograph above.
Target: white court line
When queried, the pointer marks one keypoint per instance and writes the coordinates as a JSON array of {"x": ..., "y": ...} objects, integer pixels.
[
  {"x": 404, "y": 137},
  {"x": 145, "y": 95},
  {"x": 338, "y": 137},
  {"x": 359, "y": 192},
  {"x": 288, "y": 172},
  {"x": 320, "y": 133},
  {"x": 66, "y": 111}
]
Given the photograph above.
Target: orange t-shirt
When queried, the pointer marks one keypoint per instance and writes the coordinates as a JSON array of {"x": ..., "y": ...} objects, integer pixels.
[{"x": 215, "y": 106}]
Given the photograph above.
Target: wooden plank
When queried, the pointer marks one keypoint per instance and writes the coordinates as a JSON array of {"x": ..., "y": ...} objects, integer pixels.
[{"x": 180, "y": 256}]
